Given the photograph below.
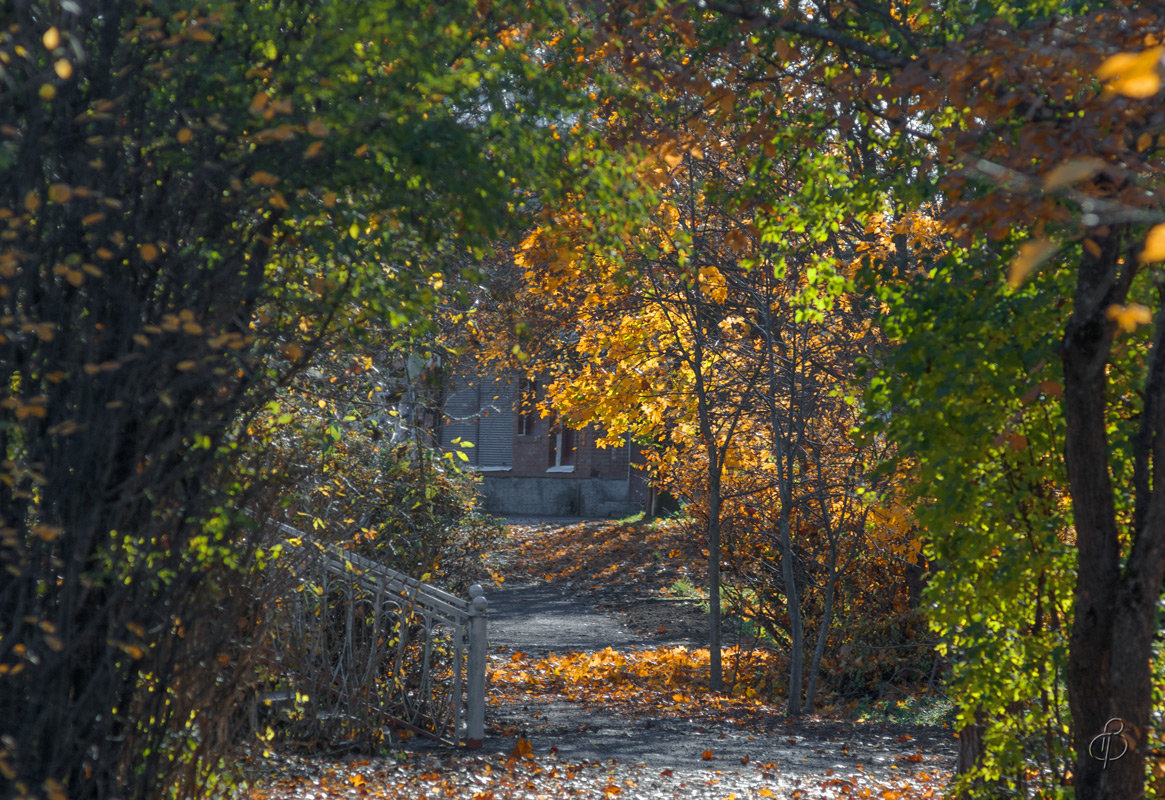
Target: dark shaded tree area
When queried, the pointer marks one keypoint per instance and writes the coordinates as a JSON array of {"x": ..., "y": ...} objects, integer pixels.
[{"x": 193, "y": 201}]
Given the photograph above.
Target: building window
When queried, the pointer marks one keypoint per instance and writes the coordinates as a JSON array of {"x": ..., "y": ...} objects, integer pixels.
[
  {"x": 527, "y": 406},
  {"x": 562, "y": 448}
]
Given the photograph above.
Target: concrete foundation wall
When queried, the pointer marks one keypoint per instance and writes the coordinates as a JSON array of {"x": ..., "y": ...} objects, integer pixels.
[{"x": 559, "y": 496}]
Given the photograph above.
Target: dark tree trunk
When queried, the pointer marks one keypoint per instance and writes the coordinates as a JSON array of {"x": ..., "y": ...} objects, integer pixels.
[
  {"x": 1109, "y": 663},
  {"x": 971, "y": 750}
]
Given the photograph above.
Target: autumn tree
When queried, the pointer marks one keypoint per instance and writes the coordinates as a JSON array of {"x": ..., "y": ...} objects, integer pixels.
[
  {"x": 1028, "y": 125},
  {"x": 193, "y": 201},
  {"x": 717, "y": 332},
  {"x": 1079, "y": 326}
]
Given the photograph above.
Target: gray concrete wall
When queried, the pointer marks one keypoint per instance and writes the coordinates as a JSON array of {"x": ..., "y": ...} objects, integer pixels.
[{"x": 559, "y": 496}]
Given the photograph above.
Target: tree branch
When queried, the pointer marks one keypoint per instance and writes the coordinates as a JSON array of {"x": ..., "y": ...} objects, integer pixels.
[{"x": 882, "y": 58}]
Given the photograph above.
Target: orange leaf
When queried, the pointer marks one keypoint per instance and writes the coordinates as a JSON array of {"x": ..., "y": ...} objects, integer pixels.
[
  {"x": 263, "y": 178},
  {"x": 1130, "y": 316},
  {"x": 1031, "y": 255},
  {"x": 1154, "y": 249},
  {"x": 1133, "y": 74},
  {"x": 60, "y": 193},
  {"x": 1070, "y": 172},
  {"x": 708, "y": 755},
  {"x": 522, "y": 749}
]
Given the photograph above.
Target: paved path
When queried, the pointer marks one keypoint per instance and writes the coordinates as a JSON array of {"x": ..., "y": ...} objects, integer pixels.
[
  {"x": 585, "y": 750},
  {"x": 538, "y": 619},
  {"x": 814, "y": 757}
]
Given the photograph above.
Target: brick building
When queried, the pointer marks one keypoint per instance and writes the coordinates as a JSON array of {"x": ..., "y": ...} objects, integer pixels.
[{"x": 532, "y": 464}]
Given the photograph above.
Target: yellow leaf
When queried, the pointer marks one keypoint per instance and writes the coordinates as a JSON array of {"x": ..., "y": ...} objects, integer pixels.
[
  {"x": 329, "y": 200},
  {"x": 185, "y": 135},
  {"x": 51, "y": 38},
  {"x": 259, "y": 101},
  {"x": 293, "y": 351},
  {"x": 1133, "y": 74},
  {"x": 1130, "y": 316},
  {"x": 47, "y": 92},
  {"x": 63, "y": 69},
  {"x": 31, "y": 202},
  {"x": 1031, "y": 255},
  {"x": 186, "y": 366},
  {"x": 1154, "y": 249},
  {"x": 149, "y": 252}
]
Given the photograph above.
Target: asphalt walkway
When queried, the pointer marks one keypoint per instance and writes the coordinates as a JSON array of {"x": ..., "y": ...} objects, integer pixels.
[{"x": 654, "y": 756}]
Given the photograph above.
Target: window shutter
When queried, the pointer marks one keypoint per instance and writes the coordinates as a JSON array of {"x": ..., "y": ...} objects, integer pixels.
[
  {"x": 496, "y": 424},
  {"x": 481, "y": 412},
  {"x": 460, "y": 420}
]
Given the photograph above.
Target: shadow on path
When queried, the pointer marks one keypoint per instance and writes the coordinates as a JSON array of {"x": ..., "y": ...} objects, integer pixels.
[{"x": 539, "y": 619}]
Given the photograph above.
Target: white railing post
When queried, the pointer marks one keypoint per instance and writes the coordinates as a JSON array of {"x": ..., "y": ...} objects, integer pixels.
[{"x": 475, "y": 679}]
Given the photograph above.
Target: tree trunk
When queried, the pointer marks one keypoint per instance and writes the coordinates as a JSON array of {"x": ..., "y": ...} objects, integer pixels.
[
  {"x": 822, "y": 638},
  {"x": 793, "y": 605},
  {"x": 971, "y": 750},
  {"x": 716, "y": 669},
  {"x": 1110, "y": 655}
]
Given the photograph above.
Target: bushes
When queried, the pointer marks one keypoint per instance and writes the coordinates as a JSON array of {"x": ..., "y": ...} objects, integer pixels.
[{"x": 364, "y": 479}]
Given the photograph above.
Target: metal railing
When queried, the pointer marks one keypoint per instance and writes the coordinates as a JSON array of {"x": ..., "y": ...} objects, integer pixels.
[{"x": 378, "y": 642}]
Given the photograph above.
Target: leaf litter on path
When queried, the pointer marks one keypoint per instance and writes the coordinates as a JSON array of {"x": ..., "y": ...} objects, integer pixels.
[{"x": 630, "y": 722}]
